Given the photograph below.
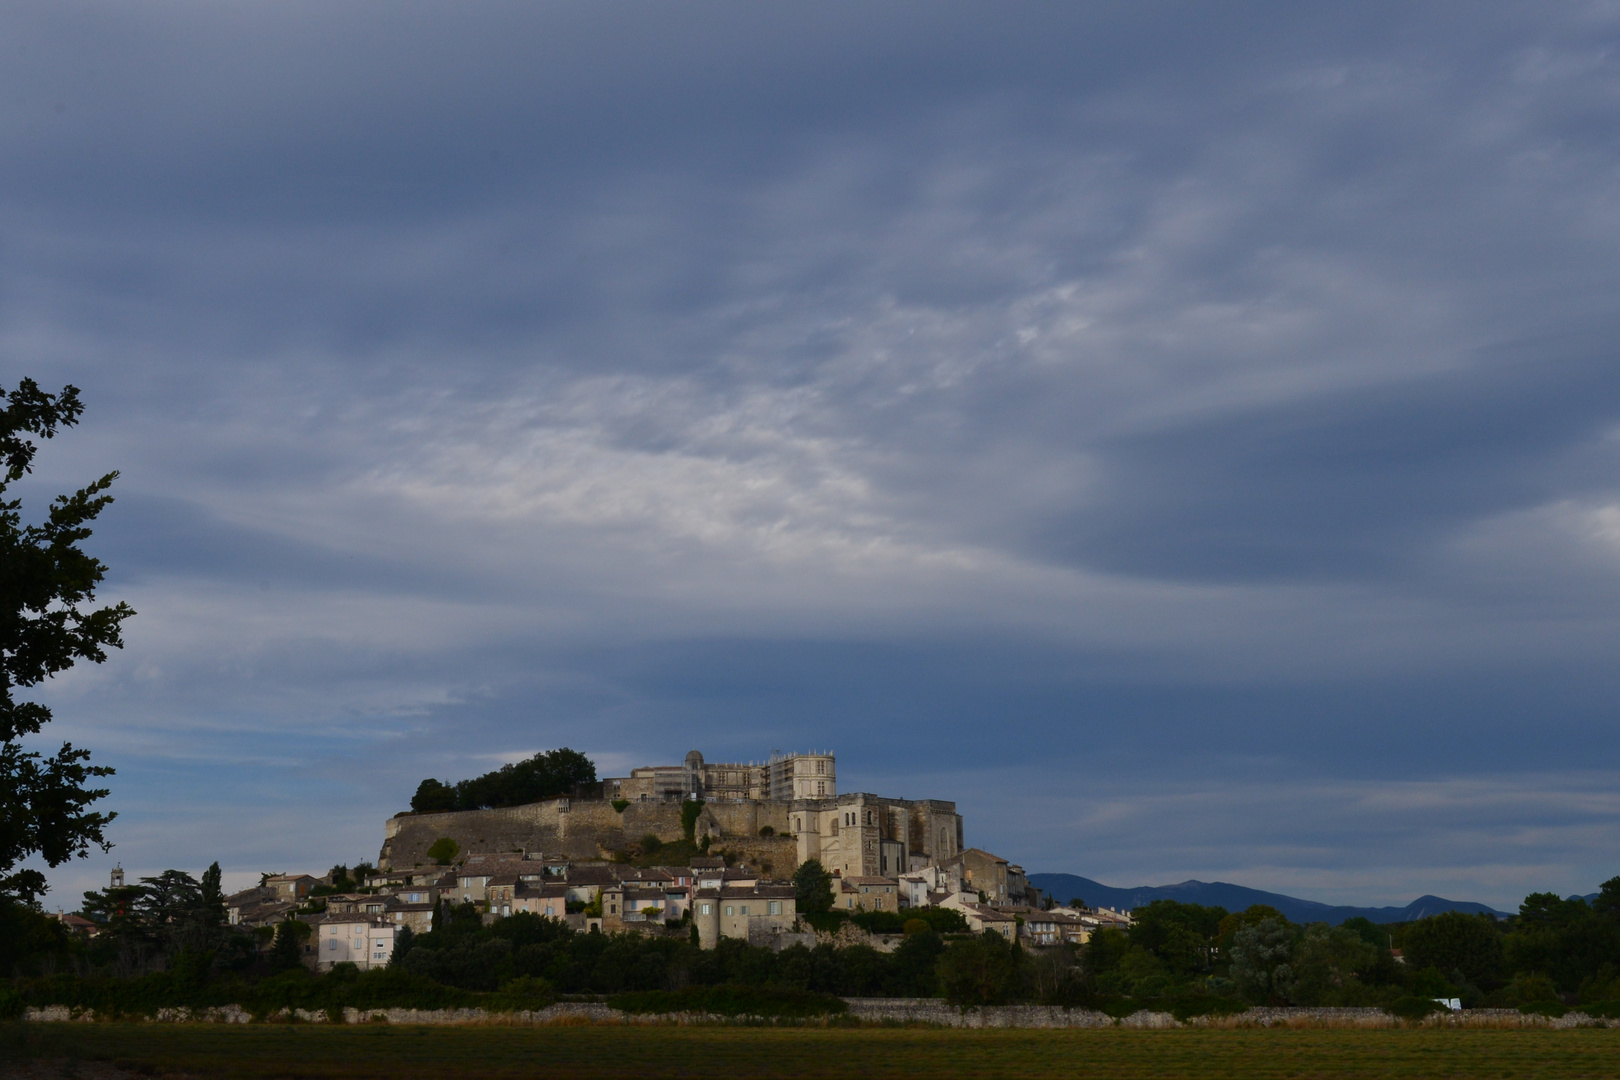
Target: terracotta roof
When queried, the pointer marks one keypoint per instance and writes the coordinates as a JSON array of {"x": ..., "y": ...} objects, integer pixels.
[
  {"x": 986, "y": 854},
  {"x": 524, "y": 888},
  {"x": 631, "y": 895},
  {"x": 772, "y": 892},
  {"x": 346, "y": 920}
]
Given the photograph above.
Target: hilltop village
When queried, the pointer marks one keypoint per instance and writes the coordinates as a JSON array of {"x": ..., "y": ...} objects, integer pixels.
[{"x": 703, "y": 850}]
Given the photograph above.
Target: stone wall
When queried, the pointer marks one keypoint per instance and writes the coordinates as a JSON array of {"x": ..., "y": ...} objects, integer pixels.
[
  {"x": 586, "y": 829},
  {"x": 928, "y": 1011}
]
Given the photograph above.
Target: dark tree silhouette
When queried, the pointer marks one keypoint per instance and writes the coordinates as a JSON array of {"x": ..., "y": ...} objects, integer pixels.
[{"x": 47, "y": 624}]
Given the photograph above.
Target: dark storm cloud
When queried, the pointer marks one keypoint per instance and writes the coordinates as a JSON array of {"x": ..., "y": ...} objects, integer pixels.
[
  {"x": 1361, "y": 482},
  {"x": 1155, "y": 400}
]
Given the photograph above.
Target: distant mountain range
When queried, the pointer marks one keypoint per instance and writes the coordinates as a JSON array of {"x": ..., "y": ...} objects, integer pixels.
[{"x": 1066, "y": 887}]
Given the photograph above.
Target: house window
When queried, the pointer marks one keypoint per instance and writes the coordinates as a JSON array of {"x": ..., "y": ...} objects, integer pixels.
[
  {"x": 744, "y": 910},
  {"x": 331, "y": 946},
  {"x": 706, "y": 909},
  {"x": 821, "y": 787},
  {"x": 774, "y": 907},
  {"x": 613, "y": 909},
  {"x": 730, "y": 910}
]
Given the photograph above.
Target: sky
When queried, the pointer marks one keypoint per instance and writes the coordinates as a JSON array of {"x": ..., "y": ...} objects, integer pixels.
[{"x": 1184, "y": 435}]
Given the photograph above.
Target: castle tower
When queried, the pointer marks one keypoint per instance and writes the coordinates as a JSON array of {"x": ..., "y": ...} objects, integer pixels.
[
  {"x": 803, "y": 776},
  {"x": 694, "y": 775}
]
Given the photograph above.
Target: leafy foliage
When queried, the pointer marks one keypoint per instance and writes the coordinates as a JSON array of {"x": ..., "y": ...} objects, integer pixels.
[
  {"x": 47, "y": 624},
  {"x": 691, "y": 810},
  {"x": 546, "y": 775},
  {"x": 982, "y": 970},
  {"x": 164, "y": 921},
  {"x": 939, "y": 920},
  {"x": 812, "y": 886},
  {"x": 1261, "y": 961},
  {"x": 1453, "y": 941}
]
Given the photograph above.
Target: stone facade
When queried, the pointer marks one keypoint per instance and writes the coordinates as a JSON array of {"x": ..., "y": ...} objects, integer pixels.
[
  {"x": 863, "y": 835},
  {"x": 784, "y": 778}
]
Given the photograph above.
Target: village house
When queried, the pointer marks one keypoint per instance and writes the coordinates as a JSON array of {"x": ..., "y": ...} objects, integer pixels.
[
  {"x": 868, "y": 894},
  {"x": 366, "y": 941},
  {"x": 290, "y": 886},
  {"x": 550, "y": 901},
  {"x": 756, "y": 914},
  {"x": 418, "y": 917},
  {"x": 256, "y": 907},
  {"x": 981, "y": 917},
  {"x": 626, "y": 904}
]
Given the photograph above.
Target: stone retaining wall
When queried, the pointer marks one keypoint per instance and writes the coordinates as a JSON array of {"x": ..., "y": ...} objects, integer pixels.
[
  {"x": 588, "y": 829},
  {"x": 872, "y": 1011}
]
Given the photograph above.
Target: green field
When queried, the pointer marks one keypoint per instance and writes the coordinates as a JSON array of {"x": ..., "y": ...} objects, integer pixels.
[{"x": 208, "y": 1050}]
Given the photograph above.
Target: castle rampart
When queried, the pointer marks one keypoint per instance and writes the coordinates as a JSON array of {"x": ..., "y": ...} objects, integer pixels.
[{"x": 855, "y": 834}]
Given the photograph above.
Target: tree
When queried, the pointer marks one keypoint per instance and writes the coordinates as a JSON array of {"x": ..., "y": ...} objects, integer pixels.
[
  {"x": 1260, "y": 960},
  {"x": 287, "y": 952},
  {"x": 404, "y": 942},
  {"x": 1181, "y": 935},
  {"x": 812, "y": 888},
  {"x": 1326, "y": 962},
  {"x": 1453, "y": 941},
  {"x": 433, "y": 797},
  {"x": 543, "y": 776},
  {"x": 983, "y": 970},
  {"x": 47, "y": 624}
]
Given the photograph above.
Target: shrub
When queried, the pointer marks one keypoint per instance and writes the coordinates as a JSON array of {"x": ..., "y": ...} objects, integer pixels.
[
  {"x": 827, "y": 922},
  {"x": 766, "y": 830},
  {"x": 526, "y": 993},
  {"x": 1188, "y": 1006},
  {"x": 1414, "y": 1008},
  {"x": 939, "y": 920},
  {"x": 691, "y": 810},
  {"x": 916, "y": 926},
  {"x": 11, "y": 1004},
  {"x": 443, "y": 850},
  {"x": 619, "y": 805},
  {"x": 650, "y": 843}
]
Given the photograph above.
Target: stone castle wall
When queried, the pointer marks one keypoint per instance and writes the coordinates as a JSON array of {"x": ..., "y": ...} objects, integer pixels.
[{"x": 587, "y": 829}]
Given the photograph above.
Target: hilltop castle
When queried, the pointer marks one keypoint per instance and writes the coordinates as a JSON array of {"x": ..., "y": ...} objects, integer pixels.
[{"x": 776, "y": 814}]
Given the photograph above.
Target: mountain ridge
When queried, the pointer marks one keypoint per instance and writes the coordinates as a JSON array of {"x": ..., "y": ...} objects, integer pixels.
[{"x": 1064, "y": 887}]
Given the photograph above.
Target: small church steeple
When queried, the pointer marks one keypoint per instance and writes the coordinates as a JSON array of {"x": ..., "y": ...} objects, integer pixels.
[{"x": 118, "y": 877}]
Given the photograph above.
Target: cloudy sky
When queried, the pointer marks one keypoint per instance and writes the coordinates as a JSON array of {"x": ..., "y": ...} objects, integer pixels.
[{"x": 1186, "y": 435}]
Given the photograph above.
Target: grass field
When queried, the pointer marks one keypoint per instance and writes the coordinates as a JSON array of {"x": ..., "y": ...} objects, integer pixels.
[{"x": 443, "y": 1053}]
